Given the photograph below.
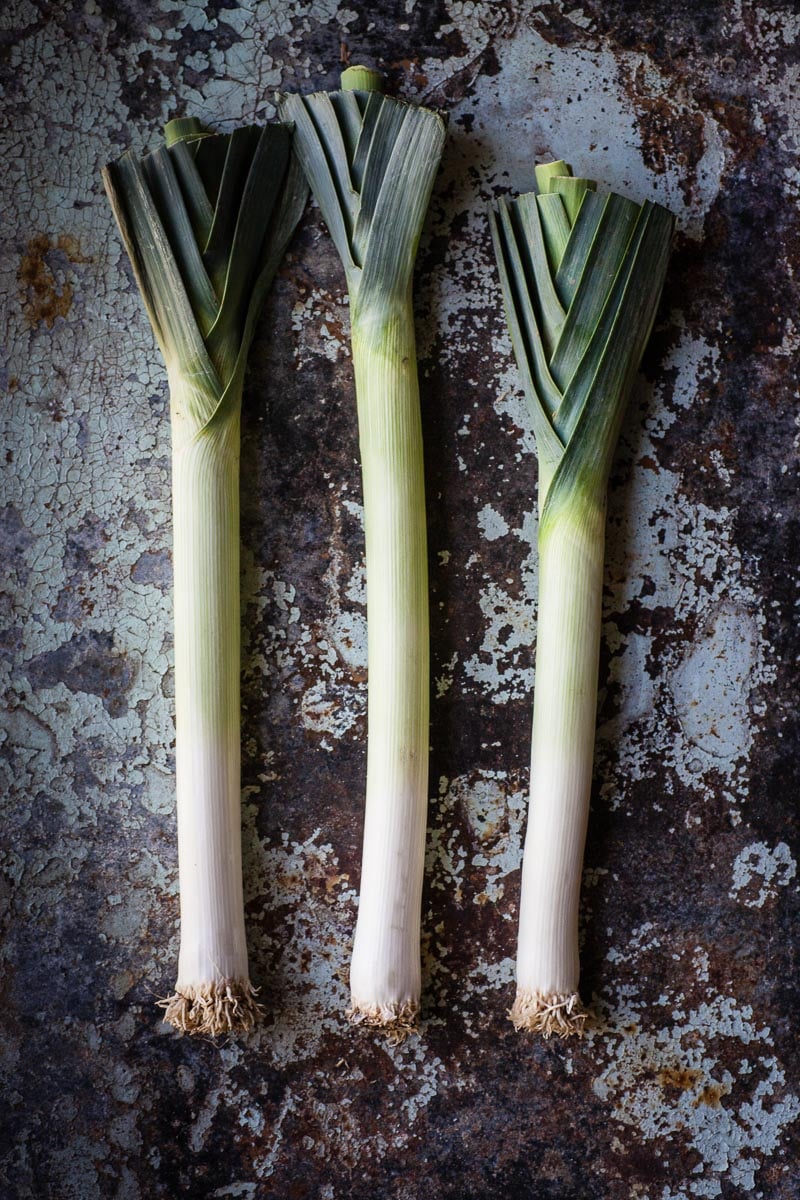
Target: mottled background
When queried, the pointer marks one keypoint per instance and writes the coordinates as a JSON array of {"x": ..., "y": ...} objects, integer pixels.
[{"x": 687, "y": 1084}]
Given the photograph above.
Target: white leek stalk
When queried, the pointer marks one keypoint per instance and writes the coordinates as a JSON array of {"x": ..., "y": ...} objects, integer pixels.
[
  {"x": 582, "y": 275},
  {"x": 205, "y": 221},
  {"x": 371, "y": 162}
]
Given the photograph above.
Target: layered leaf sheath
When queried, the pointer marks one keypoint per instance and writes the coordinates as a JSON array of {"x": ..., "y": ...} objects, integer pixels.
[
  {"x": 582, "y": 275},
  {"x": 371, "y": 163},
  {"x": 205, "y": 220}
]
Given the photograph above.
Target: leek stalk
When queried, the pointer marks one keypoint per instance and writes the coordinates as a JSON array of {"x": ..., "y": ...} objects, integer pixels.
[
  {"x": 205, "y": 220},
  {"x": 581, "y": 275},
  {"x": 371, "y": 162}
]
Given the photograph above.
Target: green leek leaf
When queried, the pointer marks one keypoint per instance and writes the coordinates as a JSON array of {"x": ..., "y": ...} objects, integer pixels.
[
  {"x": 200, "y": 221},
  {"x": 373, "y": 190},
  {"x": 605, "y": 276}
]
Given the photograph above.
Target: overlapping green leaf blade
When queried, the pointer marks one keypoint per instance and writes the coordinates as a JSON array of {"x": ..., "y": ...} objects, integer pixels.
[
  {"x": 198, "y": 205},
  {"x": 161, "y": 285},
  {"x": 594, "y": 413},
  {"x": 556, "y": 229},
  {"x": 169, "y": 200},
  {"x": 210, "y": 154},
  {"x": 572, "y": 192},
  {"x": 602, "y": 261},
  {"x": 241, "y": 146},
  {"x": 519, "y": 288},
  {"x": 390, "y": 247},
  {"x": 372, "y": 106},
  {"x": 349, "y": 114},
  {"x": 314, "y": 155},
  {"x": 205, "y": 221},
  {"x": 383, "y": 144},
  {"x": 254, "y": 209},
  {"x": 582, "y": 232},
  {"x": 525, "y": 215},
  {"x": 372, "y": 182},
  {"x": 287, "y": 213},
  {"x": 606, "y": 275}
]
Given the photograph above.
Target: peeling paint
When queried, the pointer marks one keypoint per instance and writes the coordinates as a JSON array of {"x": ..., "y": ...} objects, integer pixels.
[
  {"x": 759, "y": 867},
  {"x": 665, "y": 1074}
]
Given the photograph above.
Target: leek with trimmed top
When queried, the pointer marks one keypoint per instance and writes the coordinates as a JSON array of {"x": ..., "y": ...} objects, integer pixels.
[
  {"x": 205, "y": 220},
  {"x": 371, "y": 163},
  {"x": 582, "y": 275}
]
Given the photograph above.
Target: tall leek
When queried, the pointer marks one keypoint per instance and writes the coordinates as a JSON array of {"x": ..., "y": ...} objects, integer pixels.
[
  {"x": 582, "y": 275},
  {"x": 371, "y": 162},
  {"x": 205, "y": 220}
]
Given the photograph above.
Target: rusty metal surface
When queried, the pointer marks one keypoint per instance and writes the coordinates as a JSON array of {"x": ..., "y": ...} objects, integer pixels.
[{"x": 687, "y": 1084}]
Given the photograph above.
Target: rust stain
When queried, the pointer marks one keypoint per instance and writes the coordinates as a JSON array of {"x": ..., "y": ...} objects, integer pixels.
[
  {"x": 681, "y": 1079},
  {"x": 44, "y": 298},
  {"x": 411, "y": 68},
  {"x": 44, "y": 301},
  {"x": 72, "y": 248},
  {"x": 332, "y": 882},
  {"x": 670, "y": 132},
  {"x": 711, "y": 1096}
]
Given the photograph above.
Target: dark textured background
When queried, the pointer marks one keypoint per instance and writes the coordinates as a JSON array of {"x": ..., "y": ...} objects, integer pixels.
[{"x": 687, "y": 1085}]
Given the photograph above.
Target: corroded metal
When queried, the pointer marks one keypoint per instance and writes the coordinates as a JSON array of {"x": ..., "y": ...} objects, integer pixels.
[{"x": 686, "y": 1083}]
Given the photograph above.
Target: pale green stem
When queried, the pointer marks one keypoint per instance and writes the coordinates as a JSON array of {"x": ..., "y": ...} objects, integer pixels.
[
  {"x": 564, "y": 717},
  {"x": 212, "y": 967},
  {"x": 385, "y": 970}
]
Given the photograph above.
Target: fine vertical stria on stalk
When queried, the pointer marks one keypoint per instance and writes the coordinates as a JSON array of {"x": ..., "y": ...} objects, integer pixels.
[
  {"x": 205, "y": 220},
  {"x": 371, "y": 162},
  {"x": 582, "y": 275}
]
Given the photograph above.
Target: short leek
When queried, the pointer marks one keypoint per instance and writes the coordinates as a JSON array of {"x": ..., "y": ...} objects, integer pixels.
[
  {"x": 371, "y": 162},
  {"x": 582, "y": 275},
  {"x": 205, "y": 220}
]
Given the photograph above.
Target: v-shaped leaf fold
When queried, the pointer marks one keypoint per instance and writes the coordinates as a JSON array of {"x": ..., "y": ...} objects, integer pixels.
[
  {"x": 205, "y": 220},
  {"x": 371, "y": 161},
  {"x": 581, "y": 275}
]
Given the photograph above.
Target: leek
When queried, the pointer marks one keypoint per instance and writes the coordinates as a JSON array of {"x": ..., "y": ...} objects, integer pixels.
[
  {"x": 581, "y": 275},
  {"x": 371, "y": 162},
  {"x": 205, "y": 220}
]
